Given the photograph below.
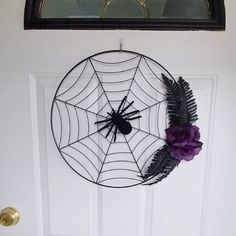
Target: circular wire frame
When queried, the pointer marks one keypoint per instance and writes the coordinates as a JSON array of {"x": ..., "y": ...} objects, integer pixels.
[{"x": 81, "y": 125}]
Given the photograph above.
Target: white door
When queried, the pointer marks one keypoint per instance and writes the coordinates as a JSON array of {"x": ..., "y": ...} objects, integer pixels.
[{"x": 197, "y": 199}]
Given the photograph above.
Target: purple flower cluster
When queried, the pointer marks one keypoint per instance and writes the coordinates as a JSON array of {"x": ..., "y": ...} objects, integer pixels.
[{"x": 183, "y": 141}]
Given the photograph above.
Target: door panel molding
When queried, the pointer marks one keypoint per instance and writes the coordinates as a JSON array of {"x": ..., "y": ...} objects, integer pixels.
[{"x": 181, "y": 195}]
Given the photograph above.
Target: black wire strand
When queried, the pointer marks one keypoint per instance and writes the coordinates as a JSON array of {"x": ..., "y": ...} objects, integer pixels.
[
  {"x": 115, "y": 63},
  {"x": 75, "y": 81}
]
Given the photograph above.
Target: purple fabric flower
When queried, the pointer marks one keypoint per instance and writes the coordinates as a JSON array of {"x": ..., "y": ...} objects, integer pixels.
[{"x": 184, "y": 141}]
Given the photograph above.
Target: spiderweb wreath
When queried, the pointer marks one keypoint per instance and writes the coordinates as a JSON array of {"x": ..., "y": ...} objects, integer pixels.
[{"x": 120, "y": 119}]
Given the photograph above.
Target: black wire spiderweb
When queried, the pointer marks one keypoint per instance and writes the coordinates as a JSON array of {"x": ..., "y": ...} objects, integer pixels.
[{"x": 87, "y": 93}]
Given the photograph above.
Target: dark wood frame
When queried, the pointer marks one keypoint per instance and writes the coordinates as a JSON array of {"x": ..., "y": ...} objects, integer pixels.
[{"x": 32, "y": 21}]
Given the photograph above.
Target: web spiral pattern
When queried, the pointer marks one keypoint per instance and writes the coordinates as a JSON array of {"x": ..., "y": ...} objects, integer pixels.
[{"x": 91, "y": 89}]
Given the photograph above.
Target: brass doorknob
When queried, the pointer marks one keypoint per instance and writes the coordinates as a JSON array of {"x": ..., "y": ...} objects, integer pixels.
[{"x": 9, "y": 216}]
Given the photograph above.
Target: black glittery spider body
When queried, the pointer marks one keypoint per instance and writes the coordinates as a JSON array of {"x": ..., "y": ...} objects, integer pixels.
[{"x": 119, "y": 119}]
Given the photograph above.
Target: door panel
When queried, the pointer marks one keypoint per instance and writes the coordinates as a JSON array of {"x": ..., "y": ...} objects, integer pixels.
[{"x": 73, "y": 206}]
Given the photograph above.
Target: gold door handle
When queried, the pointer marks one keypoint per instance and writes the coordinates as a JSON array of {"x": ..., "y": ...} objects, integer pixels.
[{"x": 9, "y": 216}]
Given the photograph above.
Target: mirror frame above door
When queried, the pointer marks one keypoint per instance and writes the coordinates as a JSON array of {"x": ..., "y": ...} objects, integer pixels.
[{"x": 215, "y": 23}]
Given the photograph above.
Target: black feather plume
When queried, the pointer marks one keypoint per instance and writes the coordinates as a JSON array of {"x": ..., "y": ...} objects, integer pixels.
[
  {"x": 181, "y": 105},
  {"x": 161, "y": 166},
  {"x": 182, "y": 109},
  {"x": 188, "y": 103}
]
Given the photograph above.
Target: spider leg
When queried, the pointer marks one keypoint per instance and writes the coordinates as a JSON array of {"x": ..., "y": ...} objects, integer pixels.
[
  {"x": 133, "y": 118},
  {"x": 130, "y": 113},
  {"x": 121, "y": 104},
  {"x": 109, "y": 130},
  {"x": 115, "y": 134},
  {"x": 105, "y": 126},
  {"x": 110, "y": 114},
  {"x": 102, "y": 121},
  {"x": 113, "y": 111},
  {"x": 126, "y": 107}
]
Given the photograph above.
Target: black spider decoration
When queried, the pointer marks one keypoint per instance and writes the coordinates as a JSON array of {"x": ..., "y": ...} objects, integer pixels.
[{"x": 119, "y": 119}]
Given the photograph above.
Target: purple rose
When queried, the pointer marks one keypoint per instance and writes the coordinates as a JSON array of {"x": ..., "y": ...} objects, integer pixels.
[{"x": 184, "y": 141}]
